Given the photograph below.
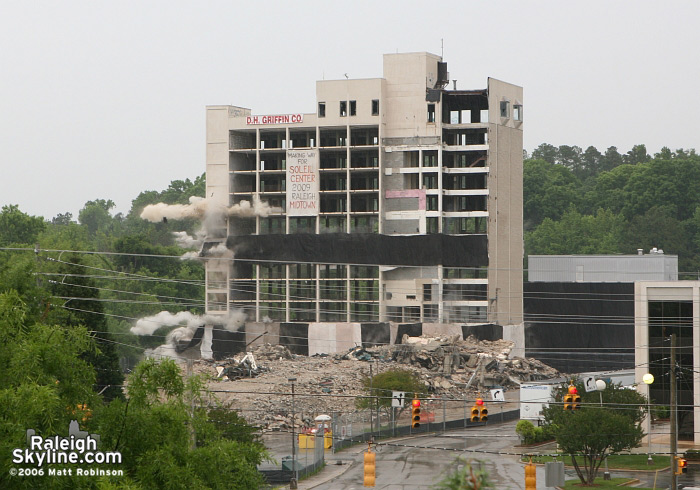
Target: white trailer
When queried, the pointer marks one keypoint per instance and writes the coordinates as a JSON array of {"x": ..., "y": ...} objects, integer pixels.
[{"x": 533, "y": 398}]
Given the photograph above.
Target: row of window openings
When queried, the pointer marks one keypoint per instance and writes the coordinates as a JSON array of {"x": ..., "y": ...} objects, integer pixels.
[
  {"x": 217, "y": 279},
  {"x": 327, "y": 224},
  {"x": 362, "y": 138},
  {"x": 328, "y": 183},
  {"x": 343, "y": 108},
  {"x": 450, "y": 292},
  {"x": 450, "y": 160},
  {"x": 358, "y": 290},
  {"x": 370, "y": 224},
  {"x": 517, "y": 111},
  {"x": 329, "y": 312},
  {"x": 454, "y": 183},
  {"x": 504, "y": 108},
  {"x": 430, "y": 313}
]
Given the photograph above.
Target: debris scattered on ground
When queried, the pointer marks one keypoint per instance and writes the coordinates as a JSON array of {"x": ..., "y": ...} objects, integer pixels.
[{"x": 449, "y": 366}]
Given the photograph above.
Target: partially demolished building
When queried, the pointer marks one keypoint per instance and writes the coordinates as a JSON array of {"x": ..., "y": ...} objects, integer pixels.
[{"x": 399, "y": 200}]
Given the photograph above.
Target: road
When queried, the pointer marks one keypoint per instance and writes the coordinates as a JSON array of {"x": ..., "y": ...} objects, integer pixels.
[{"x": 404, "y": 466}]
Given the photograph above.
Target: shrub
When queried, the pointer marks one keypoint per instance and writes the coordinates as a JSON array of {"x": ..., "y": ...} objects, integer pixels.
[{"x": 526, "y": 431}]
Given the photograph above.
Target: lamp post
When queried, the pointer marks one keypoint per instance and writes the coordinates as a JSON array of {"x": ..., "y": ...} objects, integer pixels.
[
  {"x": 648, "y": 379},
  {"x": 293, "y": 481},
  {"x": 600, "y": 386}
]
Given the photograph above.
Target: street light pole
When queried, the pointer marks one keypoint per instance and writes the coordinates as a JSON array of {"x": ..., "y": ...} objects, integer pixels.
[
  {"x": 293, "y": 481},
  {"x": 674, "y": 428},
  {"x": 600, "y": 386},
  {"x": 648, "y": 379}
]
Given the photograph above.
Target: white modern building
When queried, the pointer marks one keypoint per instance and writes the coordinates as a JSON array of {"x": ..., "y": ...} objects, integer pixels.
[
  {"x": 398, "y": 199},
  {"x": 663, "y": 308}
]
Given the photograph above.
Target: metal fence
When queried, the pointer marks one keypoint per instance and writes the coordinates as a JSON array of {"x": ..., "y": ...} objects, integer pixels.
[{"x": 437, "y": 415}]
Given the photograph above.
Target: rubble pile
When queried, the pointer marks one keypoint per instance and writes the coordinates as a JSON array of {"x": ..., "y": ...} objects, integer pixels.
[{"x": 257, "y": 383}]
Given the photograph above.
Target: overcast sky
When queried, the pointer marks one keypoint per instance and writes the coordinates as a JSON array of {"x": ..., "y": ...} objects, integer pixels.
[{"x": 103, "y": 100}]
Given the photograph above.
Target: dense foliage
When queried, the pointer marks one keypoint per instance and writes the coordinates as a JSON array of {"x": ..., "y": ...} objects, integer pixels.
[
  {"x": 48, "y": 380},
  {"x": 588, "y": 202},
  {"x": 607, "y": 422},
  {"x": 381, "y": 386}
]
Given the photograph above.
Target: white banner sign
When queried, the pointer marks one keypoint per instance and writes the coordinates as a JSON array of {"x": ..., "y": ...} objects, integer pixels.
[{"x": 302, "y": 183}]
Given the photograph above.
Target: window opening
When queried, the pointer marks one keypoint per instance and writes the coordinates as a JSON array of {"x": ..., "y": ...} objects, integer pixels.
[
  {"x": 504, "y": 108},
  {"x": 517, "y": 112},
  {"x": 321, "y": 109},
  {"x": 353, "y": 108},
  {"x": 375, "y": 107},
  {"x": 343, "y": 108}
]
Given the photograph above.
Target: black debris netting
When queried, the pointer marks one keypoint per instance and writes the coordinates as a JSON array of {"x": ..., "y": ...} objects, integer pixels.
[
  {"x": 295, "y": 337},
  {"x": 487, "y": 331},
  {"x": 196, "y": 339},
  {"x": 374, "y": 334},
  {"x": 579, "y": 327},
  {"x": 410, "y": 329},
  {"x": 225, "y": 343},
  {"x": 363, "y": 248}
]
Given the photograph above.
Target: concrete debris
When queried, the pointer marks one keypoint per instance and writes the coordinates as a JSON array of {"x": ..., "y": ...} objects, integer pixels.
[
  {"x": 240, "y": 366},
  {"x": 449, "y": 366}
]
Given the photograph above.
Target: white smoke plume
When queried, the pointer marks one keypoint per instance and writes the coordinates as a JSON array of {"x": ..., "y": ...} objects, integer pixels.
[
  {"x": 188, "y": 321},
  {"x": 220, "y": 251},
  {"x": 183, "y": 240},
  {"x": 197, "y": 208},
  {"x": 246, "y": 209},
  {"x": 204, "y": 209},
  {"x": 190, "y": 256},
  {"x": 149, "y": 324}
]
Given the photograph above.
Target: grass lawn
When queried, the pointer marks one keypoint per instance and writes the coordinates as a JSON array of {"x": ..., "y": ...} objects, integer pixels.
[
  {"x": 615, "y": 461},
  {"x": 600, "y": 483}
]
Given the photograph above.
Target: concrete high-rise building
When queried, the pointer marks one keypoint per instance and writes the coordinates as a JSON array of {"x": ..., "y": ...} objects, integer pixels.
[{"x": 399, "y": 199}]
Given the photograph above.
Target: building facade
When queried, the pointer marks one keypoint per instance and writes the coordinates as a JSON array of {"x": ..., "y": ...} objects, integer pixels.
[
  {"x": 398, "y": 200},
  {"x": 663, "y": 308},
  {"x": 654, "y": 266}
]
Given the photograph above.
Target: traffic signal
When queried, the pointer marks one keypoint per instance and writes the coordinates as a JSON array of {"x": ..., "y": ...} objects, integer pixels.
[
  {"x": 415, "y": 413},
  {"x": 572, "y": 399},
  {"x": 483, "y": 411},
  {"x": 682, "y": 465},
  {"x": 530, "y": 476},
  {"x": 370, "y": 468},
  {"x": 475, "y": 413}
]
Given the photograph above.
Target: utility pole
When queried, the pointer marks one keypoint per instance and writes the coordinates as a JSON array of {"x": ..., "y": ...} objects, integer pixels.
[
  {"x": 674, "y": 403},
  {"x": 193, "y": 435},
  {"x": 371, "y": 392},
  {"x": 293, "y": 481}
]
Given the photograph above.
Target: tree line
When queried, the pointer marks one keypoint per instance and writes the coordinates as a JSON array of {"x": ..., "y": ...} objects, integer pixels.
[{"x": 588, "y": 202}]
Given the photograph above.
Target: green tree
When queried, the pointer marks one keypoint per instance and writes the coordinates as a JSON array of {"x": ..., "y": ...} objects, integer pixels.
[
  {"x": 638, "y": 154},
  {"x": 592, "y": 161},
  {"x": 548, "y": 191},
  {"x": 612, "y": 159},
  {"x": 81, "y": 303},
  {"x": 546, "y": 152},
  {"x": 381, "y": 385},
  {"x": 164, "y": 444},
  {"x": 576, "y": 233},
  {"x": 44, "y": 380},
  {"x": 17, "y": 227},
  {"x": 592, "y": 432},
  {"x": 96, "y": 216}
]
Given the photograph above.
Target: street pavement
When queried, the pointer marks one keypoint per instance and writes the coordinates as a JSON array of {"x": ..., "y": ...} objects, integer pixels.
[{"x": 423, "y": 461}]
